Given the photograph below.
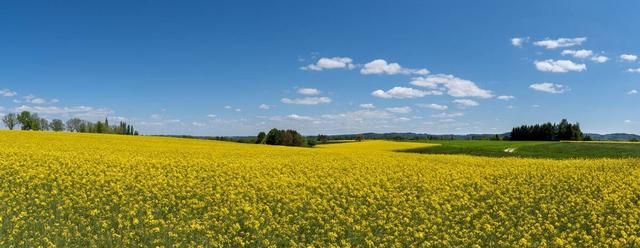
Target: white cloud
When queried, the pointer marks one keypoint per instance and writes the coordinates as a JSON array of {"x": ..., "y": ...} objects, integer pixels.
[
  {"x": 632, "y": 92},
  {"x": 636, "y": 70},
  {"x": 549, "y": 88},
  {"x": 506, "y": 98},
  {"x": 456, "y": 87},
  {"x": 519, "y": 41},
  {"x": 561, "y": 42},
  {"x": 264, "y": 106},
  {"x": 599, "y": 59},
  {"x": 307, "y": 100},
  {"x": 367, "y": 106},
  {"x": 448, "y": 115},
  {"x": 580, "y": 54},
  {"x": 211, "y": 116},
  {"x": 78, "y": 111},
  {"x": 400, "y": 110},
  {"x": 380, "y": 66},
  {"x": 228, "y": 107},
  {"x": 198, "y": 124},
  {"x": 299, "y": 117},
  {"x": 331, "y": 63},
  {"x": 403, "y": 93},
  {"x": 433, "y": 106},
  {"x": 308, "y": 91},
  {"x": 560, "y": 66},
  {"x": 535, "y": 106},
  {"x": 38, "y": 100},
  {"x": 8, "y": 92},
  {"x": 466, "y": 103},
  {"x": 627, "y": 121},
  {"x": 629, "y": 57}
]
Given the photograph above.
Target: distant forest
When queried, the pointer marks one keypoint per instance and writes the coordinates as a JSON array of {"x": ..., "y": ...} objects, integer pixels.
[
  {"x": 549, "y": 132},
  {"x": 26, "y": 120}
]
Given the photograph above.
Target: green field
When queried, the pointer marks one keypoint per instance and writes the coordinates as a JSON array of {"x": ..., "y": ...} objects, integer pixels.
[{"x": 533, "y": 149}]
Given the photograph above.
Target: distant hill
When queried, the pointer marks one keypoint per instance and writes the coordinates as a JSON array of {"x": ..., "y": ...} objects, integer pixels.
[
  {"x": 614, "y": 136},
  {"x": 423, "y": 136},
  {"x": 412, "y": 136},
  {"x": 416, "y": 136}
]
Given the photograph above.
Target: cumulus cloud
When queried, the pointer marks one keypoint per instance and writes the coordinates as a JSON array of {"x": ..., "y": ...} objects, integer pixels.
[
  {"x": 400, "y": 110},
  {"x": 559, "y": 66},
  {"x": 331, "y": 63},
  {"x": 599, "y": 59},
  {"x": 506, "y": 98},
  {"x": 519, "y": 41},
  {"x": 299, "y": 117},
  {"x": 8, "y": 92},
  {"x": 632, "y": 92},
  {"x": 380, "y": 66},
  {"x": 211, "y": 116},
  {"x": 580, "y": 54},
  {"x": 38, "y": 100},
  {"x": 433, "y": 106},
  {"x": 367, "y": 106},
  {"x": 636, "y": 70},
  {"x": 308, "y": 91},
  {"x": 307, "y": 100},
  {"x": 629, "y": 57},
  {"x": 77, "y": 111},
  {"x": 403, "y": 93},
  {"x": 448, "y": 115},
  {"x": 466, "y": 103},
  {"x": 264, "y": 106},
  {"x": 549, "y": 88},
  {"x": 561, "y": 42},
  {"x": 456, "y": 87}
]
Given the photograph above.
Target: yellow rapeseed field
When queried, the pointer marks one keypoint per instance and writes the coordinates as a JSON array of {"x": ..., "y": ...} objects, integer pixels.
[{"x": 84, "y": 190}]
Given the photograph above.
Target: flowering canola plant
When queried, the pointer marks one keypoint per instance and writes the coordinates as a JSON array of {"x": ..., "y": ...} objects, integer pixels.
[{"x": 88, "y": 190}]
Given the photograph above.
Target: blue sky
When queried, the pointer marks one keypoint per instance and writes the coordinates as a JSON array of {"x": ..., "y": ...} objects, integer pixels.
[{"x": 238, "y": 67}]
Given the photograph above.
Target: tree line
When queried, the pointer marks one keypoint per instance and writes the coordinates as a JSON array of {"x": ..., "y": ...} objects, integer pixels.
[
  {"x": 287, "y": 137},
  {"x": 549, "y": 132},
  {"x": 26, "y": 120}
]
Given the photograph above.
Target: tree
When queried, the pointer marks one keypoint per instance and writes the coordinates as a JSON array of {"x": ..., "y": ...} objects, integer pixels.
[
  {"x": 99, "y": 127},
  {"x": 106, "y": 125},
  {"x": 43, "y": 124},
  {"x": 74, "y": 125},
  {"x": 10, "y": 120},
  {"x": 359, "y": 137},
  {"x": 260, "y": 138},
  {"x": 29, "y": 121},
  {"x": 56, "y": 125},
  {"x": 273, "y": 137}
]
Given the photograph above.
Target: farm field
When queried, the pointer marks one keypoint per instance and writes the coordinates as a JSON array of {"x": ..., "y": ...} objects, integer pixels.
[
  {"x": 533, "y": 149},
  {"x": 86, "y": 190}
]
